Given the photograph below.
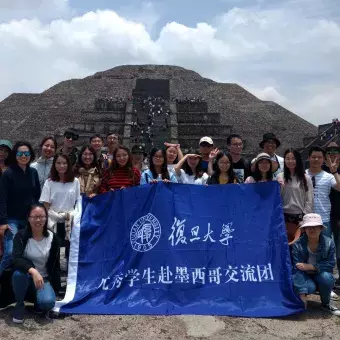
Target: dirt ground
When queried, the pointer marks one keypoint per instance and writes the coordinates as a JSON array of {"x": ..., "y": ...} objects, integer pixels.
[{"x": 312, "y": 324}]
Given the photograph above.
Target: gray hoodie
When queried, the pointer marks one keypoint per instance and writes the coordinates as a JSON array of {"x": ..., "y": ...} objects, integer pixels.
[{"x": 43, "y": 166}]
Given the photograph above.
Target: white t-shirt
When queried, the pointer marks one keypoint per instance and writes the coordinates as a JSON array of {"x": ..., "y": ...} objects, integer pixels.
[
  {"x": 38, "y": 252},
  {"x": 61, "y": 196},
  {"x": 190, "y": 179},
  {"x": 324, "y": 182}
]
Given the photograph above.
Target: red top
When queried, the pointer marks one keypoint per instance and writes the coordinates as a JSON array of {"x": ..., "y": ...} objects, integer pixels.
[{"x": 119, "y": 178}]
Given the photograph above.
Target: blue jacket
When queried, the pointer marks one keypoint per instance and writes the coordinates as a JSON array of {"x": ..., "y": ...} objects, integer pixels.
[{"x": 325, "y": 254}]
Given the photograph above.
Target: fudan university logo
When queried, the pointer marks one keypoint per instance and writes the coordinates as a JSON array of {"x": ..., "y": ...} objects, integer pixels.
[{"x": 145, "y": 233}]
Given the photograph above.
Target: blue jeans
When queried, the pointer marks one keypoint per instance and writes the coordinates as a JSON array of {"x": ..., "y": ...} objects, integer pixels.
[
  {"x": 45, "y": 297},
  {"x": 15, "y": 226},
  {"x": 308, "y": 283},
  {"x": 328, "y": 230}
]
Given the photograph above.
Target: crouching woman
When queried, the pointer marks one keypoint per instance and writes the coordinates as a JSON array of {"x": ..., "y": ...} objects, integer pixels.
[
  {"x": 313, "y": 262},
  {"x": 36, "y": 264}
]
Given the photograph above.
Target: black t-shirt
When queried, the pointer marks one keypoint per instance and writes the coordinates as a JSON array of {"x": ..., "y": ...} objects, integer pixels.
[
  {"x": 242, "y": 170},
  {"x": 334, "y": 197}
]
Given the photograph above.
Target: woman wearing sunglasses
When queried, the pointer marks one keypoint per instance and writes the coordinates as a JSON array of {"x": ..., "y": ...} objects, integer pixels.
[{"x": 19, "y": 189}]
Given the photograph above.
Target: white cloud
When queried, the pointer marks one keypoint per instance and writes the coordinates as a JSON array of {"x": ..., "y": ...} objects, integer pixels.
[
  {"x": 26, "y": 9},
  {"x": 276, "y": 53}
]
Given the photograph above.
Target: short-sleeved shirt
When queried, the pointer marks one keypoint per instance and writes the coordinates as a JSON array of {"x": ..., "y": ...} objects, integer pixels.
[
  {"x": 62, "y": 197},
  {"x": 324, "y": 182},
  {"x": 241, "y": 170},
  {"x": 184, "y": 178}
]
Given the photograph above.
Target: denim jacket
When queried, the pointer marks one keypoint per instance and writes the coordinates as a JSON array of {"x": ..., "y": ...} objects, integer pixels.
[{"x": 325, "y": 254}]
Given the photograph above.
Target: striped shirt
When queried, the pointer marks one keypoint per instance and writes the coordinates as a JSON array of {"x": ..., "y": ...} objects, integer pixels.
[
  {"x": 324, "y": 182},
  {"x": 118, "y": 179}
]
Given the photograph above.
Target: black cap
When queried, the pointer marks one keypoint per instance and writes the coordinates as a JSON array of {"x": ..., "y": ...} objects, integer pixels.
[{"x": 139, "y": 149}]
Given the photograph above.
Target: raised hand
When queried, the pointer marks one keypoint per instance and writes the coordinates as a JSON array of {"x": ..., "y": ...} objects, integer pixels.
[
  {"x": 213, "y": 154},
  {"x": 332, "y": 165}
]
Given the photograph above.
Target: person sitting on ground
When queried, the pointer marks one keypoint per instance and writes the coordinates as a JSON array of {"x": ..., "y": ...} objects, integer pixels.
[
  {"x": 36, "y": 264},
  {"x": 189, "y": 169},
  {"x": 313, "y": 258},
  {"x": 263, "y": 169},
  {"x": 223, "y": 172},
  {"x": 158, "y": 169},
  {"x": 48, "y": 147}
]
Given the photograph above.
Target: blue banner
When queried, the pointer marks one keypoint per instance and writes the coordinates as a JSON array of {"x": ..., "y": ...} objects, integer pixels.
[{"x": 182, "y": 249}]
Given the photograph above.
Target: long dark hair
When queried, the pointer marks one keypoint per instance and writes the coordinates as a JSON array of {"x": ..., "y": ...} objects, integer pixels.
[
  {"x": 29, "y": 228},
  {"x": 299, "y": 170},
  {"x": 45, "y": 139},
  {"x": 217, "y": 172},
  {"x": 69, "y": 175},
  {"x": 257, "y": 173},
  {"x": 176, "y": 159},
  {"x": 164, "y": 168},
  {"x": 198, "y": 170},
  {"x": 115, "y": 166},
  {"x": 80, "y": 163},
  {"x": 13, "y": 155}
]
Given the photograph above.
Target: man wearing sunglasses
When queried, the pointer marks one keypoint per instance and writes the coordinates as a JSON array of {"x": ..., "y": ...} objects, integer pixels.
[
  {"x": 68, "y": 148},
  {"x": 333, "y": 153}
]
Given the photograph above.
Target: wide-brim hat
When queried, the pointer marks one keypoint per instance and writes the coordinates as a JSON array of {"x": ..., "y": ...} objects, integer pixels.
[
  {"x": 6, "y": 143},
  {"x": 268, "y": 136},
  {"x": 261, "y": 156},
  {"x": 312, "y": 220},
  {"x": 139, "y": 149},
  {"x": 333, "y": 147}
]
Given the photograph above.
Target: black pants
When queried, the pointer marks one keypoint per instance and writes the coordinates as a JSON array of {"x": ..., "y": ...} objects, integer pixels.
[{"x": 61, "y": 233}]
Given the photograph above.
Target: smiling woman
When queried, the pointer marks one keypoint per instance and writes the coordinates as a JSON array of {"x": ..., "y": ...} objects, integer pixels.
[{"x": 19, "y": 188}]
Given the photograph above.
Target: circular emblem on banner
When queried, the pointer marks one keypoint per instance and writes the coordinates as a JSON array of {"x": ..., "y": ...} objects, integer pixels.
[{"x": 145, "y": 233}]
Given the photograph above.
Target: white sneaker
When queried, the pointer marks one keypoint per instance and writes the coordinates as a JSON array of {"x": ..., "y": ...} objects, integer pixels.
[
  {"x": 331, "y": 309},
  {"x": 334, "y": 296}
]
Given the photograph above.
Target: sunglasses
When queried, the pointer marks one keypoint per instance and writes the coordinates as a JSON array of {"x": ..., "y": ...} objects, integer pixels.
[
  {"x": 71, "y": 136},
  {"x": 23, "y": 153}
]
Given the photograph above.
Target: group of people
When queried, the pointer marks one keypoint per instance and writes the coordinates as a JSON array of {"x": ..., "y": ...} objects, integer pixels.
[
  {"x": 109, "y": 104},
  {"x": 39, "y": 198},
  {"x": 154, "y": 107}
]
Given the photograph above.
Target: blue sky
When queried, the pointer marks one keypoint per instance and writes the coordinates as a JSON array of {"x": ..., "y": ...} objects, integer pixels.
[{"x": 285, "y": 51}]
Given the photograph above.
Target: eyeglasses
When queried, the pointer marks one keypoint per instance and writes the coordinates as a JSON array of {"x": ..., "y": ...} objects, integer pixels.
[
  {"x": 237, "y": 144},
  {"x": 224, "y": 163},
  {"x": 36, "y": 218},
  {"x": 313, "y": 181},
  {"x": 71, "y": 136},
  {"x": 23, "y": 153}
]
